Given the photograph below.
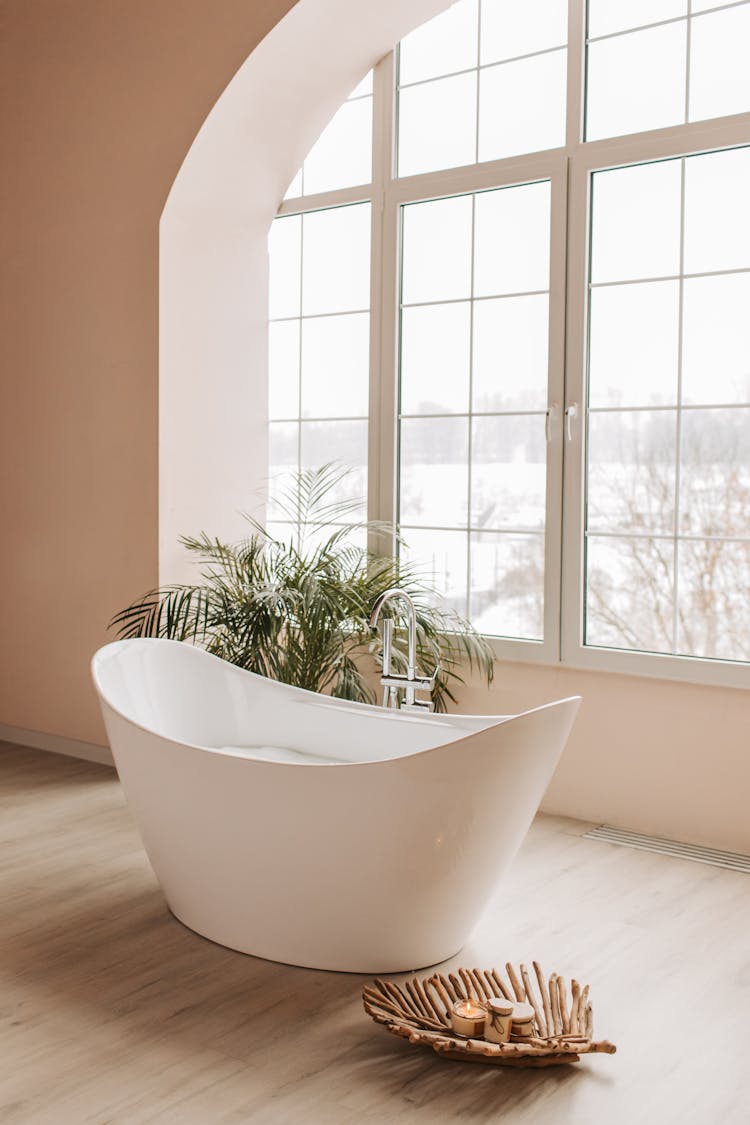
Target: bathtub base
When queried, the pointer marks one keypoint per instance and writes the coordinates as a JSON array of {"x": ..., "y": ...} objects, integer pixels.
[{"x": 367, "y": 967}]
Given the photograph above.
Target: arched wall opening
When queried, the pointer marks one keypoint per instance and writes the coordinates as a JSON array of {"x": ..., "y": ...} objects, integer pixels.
[
  {"x": 637, "y": 755},
  {"x": 213, "y": 275}
]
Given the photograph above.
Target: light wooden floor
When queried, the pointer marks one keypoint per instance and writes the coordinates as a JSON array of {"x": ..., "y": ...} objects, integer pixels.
[{"x": 112, "y": 1012}]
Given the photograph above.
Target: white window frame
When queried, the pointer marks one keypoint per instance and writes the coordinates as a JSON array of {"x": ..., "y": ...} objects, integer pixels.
[
  {"x": 569, "y": 170},
  {"x": 595, "y": 156}
]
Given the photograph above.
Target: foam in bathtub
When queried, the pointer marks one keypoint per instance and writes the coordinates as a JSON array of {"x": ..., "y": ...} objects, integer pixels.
[{"x": 279, "y": 754}]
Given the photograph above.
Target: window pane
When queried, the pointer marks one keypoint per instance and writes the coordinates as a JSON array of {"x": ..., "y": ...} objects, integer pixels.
[
  {"x": 636, "y": 222},
  {"x": 510, "y": 353},
  {"x": 706, "y": 5},
  {"x": 510, "y": 30},
  {"x": 715, "y": 473},
  {"x": 363, "y": 88},
  {"x": 630, "y": 367},
  {"x": 509, "y": 472},
  {"x": 522, "y": 106},
  {"x": 443, "y": 45},
  {"x": 335, "y": 366},
  {"x": 437, "y": 250},
  {"x": 295, "y": 188},
  {"x": 283, "y": 463},
  {"x": 511, "y": 242},
  {"x": 606, "y": 16},
  {"x": 439, "y": 558},
  {"x": 435, "y": 350},
  {"x": 716, "y": 339},
  {"x": 342, "y": 155},
  {"x": 336, "y": 269},
  {"x": 630, "y": 593},
  {"x": 437, "y": 125},
  {"x": 345, "y": 442},
  {"x": 316, "y": 535},
  {"x": 507, "y": 585},
  {"x": 714, "y": 609},
  {"x": 636, "y": 81},
  {"x": 281, "y": 530},
  {"x": 319, "y": 359},
  {"x": 285, "y": 264},
  {"x": 434, "y": 475},
  {"x": 505, "y": 341},
  {"x": 719, "y": 71},
  {"x": 717, "y": 216},
  {"x": 283, "y": 369},
  {"x": 283, "y": 440},
  {"x": 631, "y": 471},
  {"x": 635, "y": 459}
]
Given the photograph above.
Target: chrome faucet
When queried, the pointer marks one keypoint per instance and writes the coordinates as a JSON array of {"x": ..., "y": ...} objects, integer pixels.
[{"x": 411, "y": 682}]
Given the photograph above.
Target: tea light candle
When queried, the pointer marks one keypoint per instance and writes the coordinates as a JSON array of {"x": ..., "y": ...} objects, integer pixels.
[
  {"x": 467, "y": 1019},
  {"x": 523, "y": 1019},
  {"x": 498, "y": 1020}
]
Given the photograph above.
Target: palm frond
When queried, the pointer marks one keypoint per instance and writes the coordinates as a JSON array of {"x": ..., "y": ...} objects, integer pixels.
[
  {"x": 180, "y": 613},
  {"x": 300, "y": 613},
  {"x": 308, "y": 497}
]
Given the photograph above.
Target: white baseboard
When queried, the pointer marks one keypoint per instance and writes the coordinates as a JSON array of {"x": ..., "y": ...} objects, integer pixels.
[{"x": 57, "y": 744}]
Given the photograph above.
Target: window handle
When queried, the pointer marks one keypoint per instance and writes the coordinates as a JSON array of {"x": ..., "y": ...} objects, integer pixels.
[
  {"x": 571, "y": 412},
  {"x": 548, "y": 420}
]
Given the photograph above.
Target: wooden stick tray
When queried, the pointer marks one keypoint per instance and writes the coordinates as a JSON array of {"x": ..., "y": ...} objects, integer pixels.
[{"x": 420, "y": 1010}]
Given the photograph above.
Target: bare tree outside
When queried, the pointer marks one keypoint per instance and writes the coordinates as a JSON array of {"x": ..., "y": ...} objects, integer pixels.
[{"x": 672, "y": 572}]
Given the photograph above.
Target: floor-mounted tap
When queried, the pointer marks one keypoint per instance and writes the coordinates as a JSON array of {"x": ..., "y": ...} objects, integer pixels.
[{"x": 392, "y": 682}]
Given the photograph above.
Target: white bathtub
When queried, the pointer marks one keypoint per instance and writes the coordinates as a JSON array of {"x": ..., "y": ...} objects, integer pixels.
[{"x": 314, "y": 831}]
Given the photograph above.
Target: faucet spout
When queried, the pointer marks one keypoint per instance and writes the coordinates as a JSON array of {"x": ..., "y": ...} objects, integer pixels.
[
  {"x": 411, "y": 615},
  {"x": 411, "y": 681}
]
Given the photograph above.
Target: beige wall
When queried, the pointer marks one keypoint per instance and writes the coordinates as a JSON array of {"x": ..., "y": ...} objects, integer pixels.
[
  {"x": 655, "y": 756},
  {"x": 101, "y": 101}
]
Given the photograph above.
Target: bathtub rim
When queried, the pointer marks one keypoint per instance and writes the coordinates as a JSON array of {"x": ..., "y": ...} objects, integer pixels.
[{"x": 315, "y": 699}]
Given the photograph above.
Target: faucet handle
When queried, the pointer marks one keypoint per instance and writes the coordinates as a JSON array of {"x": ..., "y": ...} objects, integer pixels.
[
  {"x": 419, "y": 683},
  {"x": 418, "y": 705},
  {"x": 396, "y": 681}
]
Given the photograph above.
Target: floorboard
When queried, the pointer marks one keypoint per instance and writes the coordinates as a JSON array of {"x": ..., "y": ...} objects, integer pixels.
[{"x": 112, "y": 1012}]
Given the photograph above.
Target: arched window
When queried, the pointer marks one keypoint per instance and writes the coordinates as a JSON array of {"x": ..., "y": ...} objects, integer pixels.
[{"x": 510, "y": 286}]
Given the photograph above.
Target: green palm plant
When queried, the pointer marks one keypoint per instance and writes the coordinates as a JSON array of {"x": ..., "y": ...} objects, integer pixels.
[{"x": 299, "y": 611}]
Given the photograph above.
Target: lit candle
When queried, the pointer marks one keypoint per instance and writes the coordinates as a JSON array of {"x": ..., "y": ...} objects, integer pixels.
[{"x": 467, "y": 1019}]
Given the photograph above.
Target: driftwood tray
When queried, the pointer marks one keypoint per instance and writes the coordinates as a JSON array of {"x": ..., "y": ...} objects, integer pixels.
[{"x": 420, "y": 1010}]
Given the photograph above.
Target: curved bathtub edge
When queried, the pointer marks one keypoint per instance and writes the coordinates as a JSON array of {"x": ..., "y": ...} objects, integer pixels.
[{"x": 310, "y": 699}]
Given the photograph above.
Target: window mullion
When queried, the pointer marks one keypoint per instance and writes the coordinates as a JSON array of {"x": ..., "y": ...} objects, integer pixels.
[
  {"x": 383, "y": 318},
  {"x": 554, "y": 425},
  {"x": 573, "y": 502},
  {"x": 576, "y": 89},
  {"x": 337, "y": 197},
  {"x": 678, "y": 418},
  {"x": 470, "y": 419}
]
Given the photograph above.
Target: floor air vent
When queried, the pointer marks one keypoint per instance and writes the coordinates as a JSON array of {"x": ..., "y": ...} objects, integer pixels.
[{"x": 731, "y": 860}]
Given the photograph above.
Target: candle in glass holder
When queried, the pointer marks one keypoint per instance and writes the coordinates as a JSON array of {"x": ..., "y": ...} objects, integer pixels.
[{"x": 467, "y": 1019}]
